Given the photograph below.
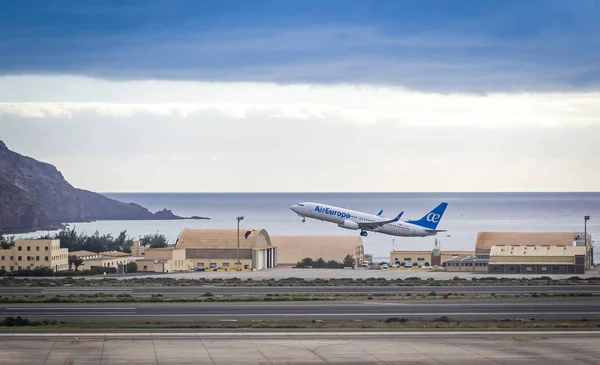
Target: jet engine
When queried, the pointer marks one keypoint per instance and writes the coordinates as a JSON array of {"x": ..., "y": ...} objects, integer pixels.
[{"x": 348, "y": 224}]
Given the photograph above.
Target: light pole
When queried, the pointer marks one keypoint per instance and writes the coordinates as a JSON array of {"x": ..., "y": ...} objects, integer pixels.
[
  {"x": 585, "y": 219},
  {"x": 238, "y": 241}
]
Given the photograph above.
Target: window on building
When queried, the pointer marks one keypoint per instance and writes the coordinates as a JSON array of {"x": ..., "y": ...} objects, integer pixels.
[
  {"x": 12, "y": 268},
  {"x": 3, "y": 268},
  {"x": 544, "y": 268},
  {"x": 407, "y": 259},
  {"x": 200, "y": 264},
  {"x": 213, "y": 265},
  {"x": 421, "y": 259},
  {"x": 20, "y": 248},
  {"x": 20, "y": 259},
  {"x": 19, "y": 268},
  {"x": 46, "y": 248},
  {"x": 226, "y": 264},
  {"x": 511, "y": 268},
  {"x": 28, "y": 248},
  {"x": 12, "y": 258},
  {"x": 529, "y": 268},
  {"x": 2, "y": 258},
  {"x": 37, "y": 258},
  {"x": 37, "y": 248},
  {"x": 496, "y": 269}
]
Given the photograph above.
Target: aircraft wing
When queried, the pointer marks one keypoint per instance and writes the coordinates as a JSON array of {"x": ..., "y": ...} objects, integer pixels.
[{"x": 375, "y": 225}]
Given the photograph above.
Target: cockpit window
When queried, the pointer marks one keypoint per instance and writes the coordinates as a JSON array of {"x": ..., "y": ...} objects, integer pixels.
[{"x": 301, "y": 205}]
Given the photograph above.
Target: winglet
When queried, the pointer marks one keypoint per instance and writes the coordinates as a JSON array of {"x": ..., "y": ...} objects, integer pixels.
[{"x": 380, "y": 212}]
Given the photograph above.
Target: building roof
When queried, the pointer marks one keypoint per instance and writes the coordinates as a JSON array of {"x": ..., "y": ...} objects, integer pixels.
[
  {"x": 466, "y": 258},
  {"x": 83, "y": 253},
  {"x": 291, "y": 249},
  {"x": 537, "y": 251},
  {"x": 223, "y": 238},
  {"x": 485, "y": 240},
  {"x": 115, "y": 253}
]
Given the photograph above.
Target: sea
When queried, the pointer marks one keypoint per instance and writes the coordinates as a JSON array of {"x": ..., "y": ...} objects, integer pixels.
[{"x": 467, "y": 214}]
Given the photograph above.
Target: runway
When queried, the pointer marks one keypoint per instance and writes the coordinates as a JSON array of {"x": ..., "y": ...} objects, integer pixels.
[
  {"x": 564, "y": 308},
  {"x": 285, "y": 347},
  {"x": 195, "y": 291}
]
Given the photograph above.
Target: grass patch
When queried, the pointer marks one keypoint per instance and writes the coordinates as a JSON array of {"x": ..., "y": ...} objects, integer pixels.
[
  {"x": 209, "y": 297},
  {"x": 390, "y": 323},
  {"x": 291, "y": 281}
]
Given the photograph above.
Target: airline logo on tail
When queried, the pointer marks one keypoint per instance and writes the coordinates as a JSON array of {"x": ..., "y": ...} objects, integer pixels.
[{"x": 431, "y": 219}]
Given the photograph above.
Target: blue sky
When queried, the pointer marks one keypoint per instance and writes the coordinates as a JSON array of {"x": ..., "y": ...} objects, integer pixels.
[{"x": 440, "y": 46}]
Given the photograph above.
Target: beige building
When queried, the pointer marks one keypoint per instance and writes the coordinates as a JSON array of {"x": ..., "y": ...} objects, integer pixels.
[
  {"x": 292, "y": 249},
  {"x": 218, "y": 248},
  {"x": 164, "y": 260},
  {"x": 426, "y": 257},
  {"x": 467, "y": 263},
  {"x": 104, "y": 259},
  {"x": 486, "y": 240},
  {"x": 29, "y": 254},
  {"x": 547, "y": 259}
]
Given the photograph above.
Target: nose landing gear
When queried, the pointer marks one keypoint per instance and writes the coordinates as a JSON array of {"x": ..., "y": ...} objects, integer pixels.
[
  {"x": 363, "y": 233},
  {"x": 303, "y": 220}
]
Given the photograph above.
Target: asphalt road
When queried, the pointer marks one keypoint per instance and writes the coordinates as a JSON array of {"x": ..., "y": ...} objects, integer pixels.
[
  {"x": 195, "y": 291},
  {"x": 567, "y": 308}
]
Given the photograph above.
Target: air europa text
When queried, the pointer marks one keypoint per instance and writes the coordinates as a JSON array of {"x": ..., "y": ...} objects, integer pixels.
[{"x": 331, "y": 212}]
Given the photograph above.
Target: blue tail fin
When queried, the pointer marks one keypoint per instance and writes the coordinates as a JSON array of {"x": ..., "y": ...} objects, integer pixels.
[
  {"x": 379, "y": 214},
  {"x": 431, "y": 219}
]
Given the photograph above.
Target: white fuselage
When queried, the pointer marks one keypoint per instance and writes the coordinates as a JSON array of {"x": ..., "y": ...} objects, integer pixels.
[{"x": 332, "y": 214}]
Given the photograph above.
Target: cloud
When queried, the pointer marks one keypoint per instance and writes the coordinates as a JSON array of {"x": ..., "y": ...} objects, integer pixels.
[
  {"x": 346, "y": 104},
  {"x": 192, "y": 136}
]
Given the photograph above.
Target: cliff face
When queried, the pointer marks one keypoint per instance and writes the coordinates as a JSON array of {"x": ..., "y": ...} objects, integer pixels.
[{"x": 35, "y": 195}]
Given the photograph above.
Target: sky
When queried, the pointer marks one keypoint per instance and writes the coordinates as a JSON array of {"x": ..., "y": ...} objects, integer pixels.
[{"x": 277, "y": 96}]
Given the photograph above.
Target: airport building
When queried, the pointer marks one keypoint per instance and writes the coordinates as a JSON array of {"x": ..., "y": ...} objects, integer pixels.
[
  {"x": 538, "y": 248},
  {"x": 527, "y": 253},
  {"x": 218, "y": 248},
  {"x": 292, "y": 249},
  {"x": 29, "y": 254},
  {"x": 118, "y": 260},
  {"x": 432, "y": 258}
]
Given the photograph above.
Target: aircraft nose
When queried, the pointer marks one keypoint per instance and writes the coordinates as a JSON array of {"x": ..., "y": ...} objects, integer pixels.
[{"x": 294, "y": 207}]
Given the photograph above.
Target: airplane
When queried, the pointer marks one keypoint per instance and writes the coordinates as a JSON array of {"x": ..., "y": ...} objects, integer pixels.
[{"x": 350, "y": 219}]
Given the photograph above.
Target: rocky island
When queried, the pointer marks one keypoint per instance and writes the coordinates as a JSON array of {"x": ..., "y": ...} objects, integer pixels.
[{"x": 34, "y": 195}]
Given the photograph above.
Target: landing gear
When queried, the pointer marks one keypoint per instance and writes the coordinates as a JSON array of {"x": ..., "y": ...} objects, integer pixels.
[
  {"x": 363, "y": 233},
  {"x": 303, "y": 220}
]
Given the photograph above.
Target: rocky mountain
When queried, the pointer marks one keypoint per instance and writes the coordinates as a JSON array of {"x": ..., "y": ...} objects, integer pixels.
[{"x": 35, "y": 195}]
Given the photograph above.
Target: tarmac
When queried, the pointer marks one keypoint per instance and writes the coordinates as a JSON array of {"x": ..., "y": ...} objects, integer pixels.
[
  {"x": 494, "y": 309},
  {"x": 285, "y": 347}
]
